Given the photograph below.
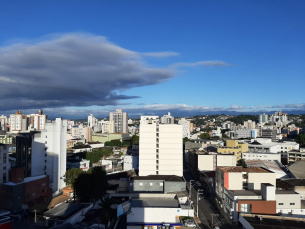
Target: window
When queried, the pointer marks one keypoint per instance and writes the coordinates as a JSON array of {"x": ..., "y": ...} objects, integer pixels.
[
  {"x": 281, "y": 203},
  {"x": 161, "y": 184},
  {"x": 246, "y": 208},
  {"x": 141, "y": 184},
  {"x": 292, "y": 203},
  {"x": 151, "y": 184}
]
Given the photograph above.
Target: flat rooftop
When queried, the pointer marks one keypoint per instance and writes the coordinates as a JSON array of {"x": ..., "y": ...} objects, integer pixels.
[
  {"x": 245, "y": 192},
  {"x": 159, "y": 177},
  {"x": 155, "y": 203},
  {"x": 238, "y": 169}
]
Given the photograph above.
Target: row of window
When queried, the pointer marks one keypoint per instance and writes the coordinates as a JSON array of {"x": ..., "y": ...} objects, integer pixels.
[{"x": 283, "y": 203}]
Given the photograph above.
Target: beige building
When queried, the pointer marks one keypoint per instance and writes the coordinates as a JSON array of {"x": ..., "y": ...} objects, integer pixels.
[
  {"x": 120, "y": 121},
  {"x": 234, "y": 147},
  {"x": 160, "y": 148},
  {"x": 249, "y": 124},
  {"x": 3, "y": 122}
]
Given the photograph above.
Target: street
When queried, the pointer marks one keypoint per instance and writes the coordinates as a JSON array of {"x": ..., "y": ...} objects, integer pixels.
[{"x": 208, "y": 213}]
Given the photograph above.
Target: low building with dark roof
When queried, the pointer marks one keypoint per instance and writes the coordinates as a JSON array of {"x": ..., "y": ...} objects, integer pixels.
[{"x": 157, "y": 184}]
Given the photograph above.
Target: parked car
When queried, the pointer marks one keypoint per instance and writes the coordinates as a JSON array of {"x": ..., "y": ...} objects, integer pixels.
[{"x": 190, "y": 223}]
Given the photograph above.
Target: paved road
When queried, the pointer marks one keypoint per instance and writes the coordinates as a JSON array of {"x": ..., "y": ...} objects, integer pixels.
[{"x": 207, "y": 211}]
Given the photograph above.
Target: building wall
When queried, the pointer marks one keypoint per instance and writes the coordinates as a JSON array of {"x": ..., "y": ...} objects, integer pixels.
[
  {"x": 255, "y": 180},
  {"x": 174, "y": 186},
  {"x": 235, "y": 181},
  {"x": 4, "y": 163},
  {"x": 260, "y": 206},
  {"x": 262, "y": 156},
  {"x": 206, "y": 162},
  {"x": 160, "y": 150},
  {"x": 147, "y": 186},
  {"x": 226, "y": 160},
  {"x": 120, "y": 121},
  {"x": 286, "y": 199}
]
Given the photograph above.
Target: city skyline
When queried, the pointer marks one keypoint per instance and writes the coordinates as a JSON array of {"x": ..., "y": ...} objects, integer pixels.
[{"x": 186, "y": 58}]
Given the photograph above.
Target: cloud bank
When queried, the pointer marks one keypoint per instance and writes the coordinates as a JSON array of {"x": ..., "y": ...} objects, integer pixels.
[{"x": 72, "y": 70}]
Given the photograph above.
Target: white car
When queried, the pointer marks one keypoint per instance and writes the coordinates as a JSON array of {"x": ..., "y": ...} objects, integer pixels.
[{"x": 190, "y": 223}]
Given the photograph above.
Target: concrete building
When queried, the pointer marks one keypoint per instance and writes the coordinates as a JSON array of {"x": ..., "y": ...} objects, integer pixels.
[
  {"x": 4, "y": 163},
  {"x": 24, "y": 190},
  {"x": 167, "y": 119},
  {"x": 131, "y": 162},
  {"x": 205, "y": 162},
  {"x": 249, "y": 124},
  {"x": 3, "y": 122},
  {"x": 261, "y": 156},
  {"x": 279, "y": 116},
  {"x": 160, "y": 150},
  {"x": 106, "y": 126},
  {"x": 130, "y": 121},
  {"x": 157, "y": 211},
  {"x": 235, "y": 147},
  {"x": 245, "y": 133},
  {"x": 185, "y": 128},
  {"x": 110, "y": 136},
  {"x": 263, "y": 118},
  {"x": 82, "y": 131},
  {"x": 92, "y": 121},
  {"x": 239, "y": 178},
  {"x": 119, "y": 119},
  {"x": 273, "y": 166},
  {"x": 296, "y": 155},
  {"x": 44, "y": 153},
  {"x": 18, "y": 122},
  {"x": 78, "y": 163},
  {"x": 268, "y": 133},
  {"x": 7, "y": 139}
]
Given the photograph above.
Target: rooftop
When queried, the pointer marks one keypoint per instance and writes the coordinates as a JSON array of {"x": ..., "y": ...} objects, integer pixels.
[
  {"x": 245, "y": 192},
  {"x": 155, "y": 202},
  {"x": 298, "y": 169},
  {"x": 294, "y": 182},
  {"x": 121, "y": 175},
  {"x": 81, "y": 147},
  {"x": 160, "y": 177},
  {"x": 65, "y": 210},
  {"x": 238, "y": 169},
  {"x": 26, "y": 179},
  {"x": 270, "y": 165}
]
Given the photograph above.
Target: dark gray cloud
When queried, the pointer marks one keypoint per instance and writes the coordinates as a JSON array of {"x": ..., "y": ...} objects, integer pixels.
[{"x": 71, "y": 70}]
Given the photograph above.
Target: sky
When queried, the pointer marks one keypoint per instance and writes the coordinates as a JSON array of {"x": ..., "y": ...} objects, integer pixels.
[{"x": 73, "y": 58}]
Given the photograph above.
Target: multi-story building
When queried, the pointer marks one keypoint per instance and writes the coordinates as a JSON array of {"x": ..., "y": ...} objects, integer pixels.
[
  {"x": 239, "y": 178},
  {"x": 167, "y": 119},
  {"x": 245, "y": 133},
  {"x": 269, "y": 133},
  {"x": 296, "y": 155},
  {"x": 185, "y": 127},
  {"x": 204, "y": 161},
  {"x": 78, "y": 163},
  {"x": 107, "y": 126},
  {"x": 120, "y": 123},
  {"x": 249, "y": 124},
  {"x": 263, "y": 118},
  {"x": 261, "y": 156},
  {"x": 20, "y": 122},
  {"x": 82, "y": 131},
  {"x": 160, "y": 150},
  {"x": 235, "y": 147},
  {"x": 3, "y": 122},
  {"x": 44, "y": 153},
  {"x": 92, "y": 121},
  {"x": 4, "y": 163},
  {"x": 279, "y": 116}
]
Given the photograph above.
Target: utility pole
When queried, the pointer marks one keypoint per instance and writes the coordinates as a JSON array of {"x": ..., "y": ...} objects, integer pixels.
[
  {"x": 198, "y": 192},
  {"x": 190, "y": 194},
  {"x": 213, "y": 218}
]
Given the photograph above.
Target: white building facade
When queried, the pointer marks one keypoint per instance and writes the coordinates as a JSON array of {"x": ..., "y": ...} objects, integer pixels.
[
  {"x": 120, "y": 121},
  {"x": 160, "y": 151},
  {"x": 185, "y": 127},
  {"x": 167, "y": 119}
]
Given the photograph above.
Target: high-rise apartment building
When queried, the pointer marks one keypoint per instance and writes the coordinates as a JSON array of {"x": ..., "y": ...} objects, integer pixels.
[
  {"x": 120, "y": 121},
  {"x": 249, "y": 124},
  {"x": 44, "y": 153},
  {"x": 185, "y": 127},
  {"x": 20, "y": 122},
  {"x": 263, "y": 118},
  {"x": 160, "y": 148},
  {"x": 167, "y": 119},
  {"x": 3, "y": 122},
  {"x": 92, "y": 121}
]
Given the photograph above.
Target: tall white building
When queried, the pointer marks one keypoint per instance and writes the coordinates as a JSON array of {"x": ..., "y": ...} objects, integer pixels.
[
  {"x": 3, "y": 122},
  {"x": 263, "y": 118},
  {"x": 92, "y": 121},
  {"x": 20, "y": 122},
  {"x": 185, "y": 127},
  {"x": 48, "y": 150},
  {"x": 249, "y": 124},
  {"x": 167, "y": 119},
  {"x": 120, "y": 122},
  {"x": 160, "y": 148}
]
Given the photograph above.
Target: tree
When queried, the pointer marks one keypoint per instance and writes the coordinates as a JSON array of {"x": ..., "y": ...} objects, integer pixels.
[
  {"x": 242, "y": 163},
  {"x": 71, "y": 175},
  {"x": 97, "y": 154},
  {"x": 301, "y": 139},
  {"x": 92, "y": 185},
  {"x": 135, "y": 139},
  {"x": 205, "y": 136},
  {"x": 225, "y": 136},
  {"x": 185, "y": 140},
  {"x": 79, "y": 144},
  {"x": 113, "y": 143}
]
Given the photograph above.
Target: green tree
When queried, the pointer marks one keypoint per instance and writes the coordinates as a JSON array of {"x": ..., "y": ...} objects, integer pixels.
[
  {"x": 242, "y": 163},
  {"x": 113, "y": 143},
  {"x": 205, "y": 136},
  {"x": 301, "y": 139},
  {"x": 97, "y": 154},
  {"x": 225, "y": 136},
  {"x": 79, "y": 144},
  {"x": 92, "y": 185},
  {"x": 135, "y": 139},
  {"x": 71, "y": 175},
  {"x": 185, "y": 140}
]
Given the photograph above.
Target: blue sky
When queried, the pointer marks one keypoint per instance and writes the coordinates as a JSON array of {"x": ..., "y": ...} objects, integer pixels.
[{"x": 250, "y": 55}]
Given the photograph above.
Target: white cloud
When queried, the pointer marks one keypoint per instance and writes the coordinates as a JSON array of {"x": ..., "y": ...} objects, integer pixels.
[
  {"x": 161, "y": 54},
  {"x": 215, "y": 63}
]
